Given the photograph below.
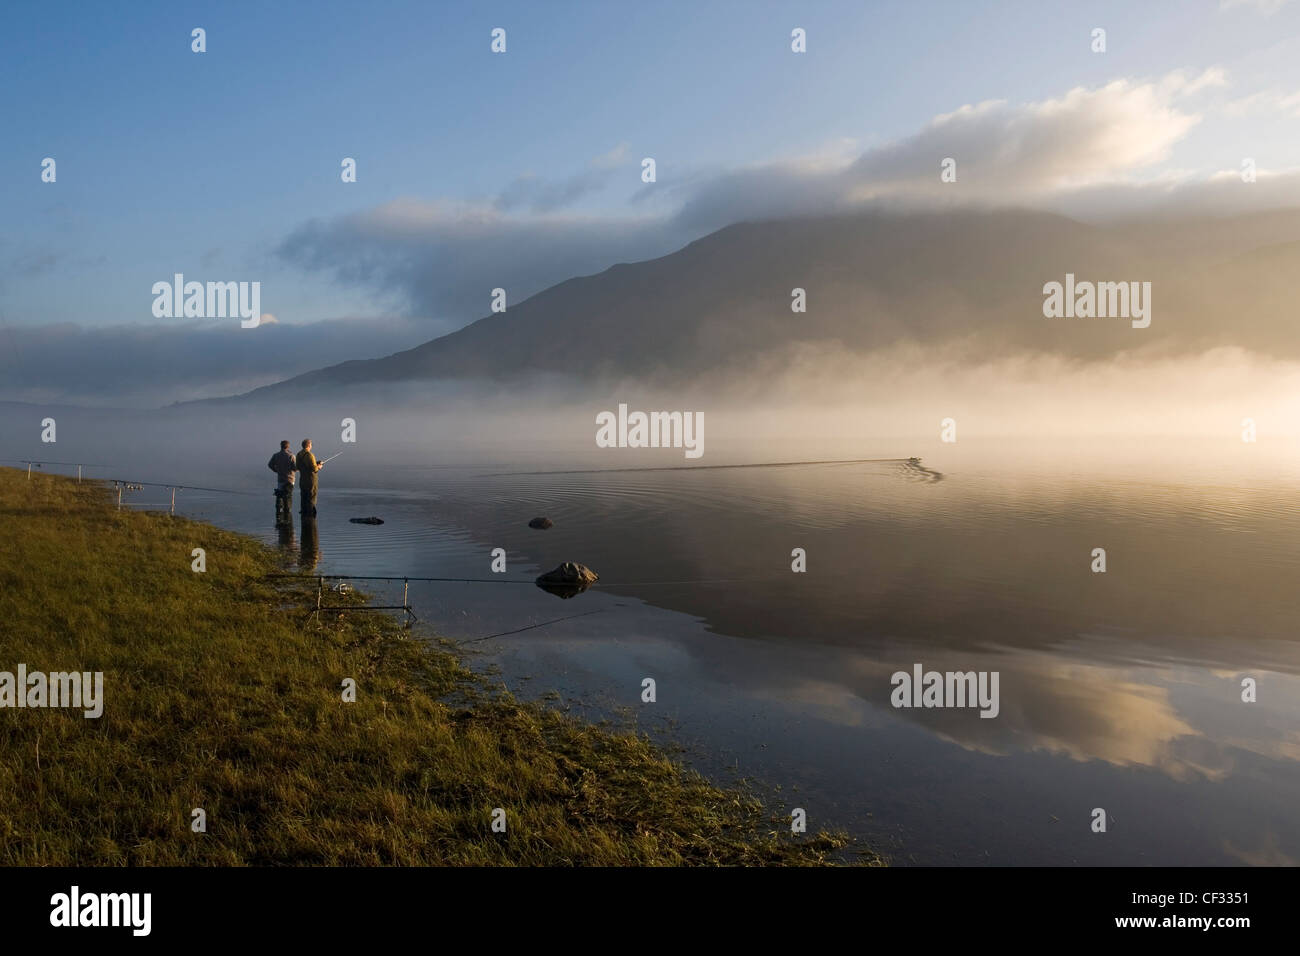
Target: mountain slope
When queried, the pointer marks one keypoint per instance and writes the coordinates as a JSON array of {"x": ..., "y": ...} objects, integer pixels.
[{"x": 874, "y": 280}]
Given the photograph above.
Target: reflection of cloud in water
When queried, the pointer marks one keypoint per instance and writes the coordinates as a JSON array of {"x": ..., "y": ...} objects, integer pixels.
[
  {"x": 1125, "y": 716},
  {"x": 1091, "y": 713},
  {"x": 824, "y": 700},
  {"x": 1083, "y": 711},
  {"x": 1269, "y": 854}
]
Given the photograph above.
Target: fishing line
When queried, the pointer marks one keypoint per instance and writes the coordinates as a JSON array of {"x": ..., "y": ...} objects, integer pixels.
[
  {"x": 608, "y": 584},
  {"x": 520, "y": 630},
  {"x": 397, "y": 577},
  {"x": 760, "y": 464}
]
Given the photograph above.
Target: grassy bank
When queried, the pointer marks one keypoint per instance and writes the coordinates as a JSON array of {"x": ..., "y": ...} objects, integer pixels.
[{"x": 218, "y": 696}]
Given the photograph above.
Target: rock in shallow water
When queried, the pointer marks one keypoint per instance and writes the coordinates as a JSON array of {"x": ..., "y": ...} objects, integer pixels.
[
  {"x": 371, "y": 520},
  {"x": 567, "y": 580},
  {"x": 542, "y": 523}
]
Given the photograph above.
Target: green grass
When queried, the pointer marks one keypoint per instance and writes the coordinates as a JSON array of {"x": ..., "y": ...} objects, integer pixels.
[{"x": 219, "y": 695}]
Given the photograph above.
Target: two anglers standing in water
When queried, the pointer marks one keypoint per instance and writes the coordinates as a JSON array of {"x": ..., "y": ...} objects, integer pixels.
[{"x": 286, "y": 466}]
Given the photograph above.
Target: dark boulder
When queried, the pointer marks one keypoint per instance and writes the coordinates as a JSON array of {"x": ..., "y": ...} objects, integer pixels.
[
  {"x": 567, "y": 580},
  {"x": 541, "y": 523}
]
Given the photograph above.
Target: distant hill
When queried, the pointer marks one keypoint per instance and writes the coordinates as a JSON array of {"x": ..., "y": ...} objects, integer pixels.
[{"x": 970, "y": 279}]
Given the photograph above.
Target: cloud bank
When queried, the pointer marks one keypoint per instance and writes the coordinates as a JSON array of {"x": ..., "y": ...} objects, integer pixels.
[
  {"x": 152, "y": 365},
  {"x": 1094, "y": 153}
]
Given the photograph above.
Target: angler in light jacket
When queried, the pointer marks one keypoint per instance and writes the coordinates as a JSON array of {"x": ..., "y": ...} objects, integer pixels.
[{"x": 307, "y": 467}]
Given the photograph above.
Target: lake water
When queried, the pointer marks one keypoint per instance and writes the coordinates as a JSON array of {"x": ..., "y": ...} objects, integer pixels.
[{"x": 1119, "y": 690}]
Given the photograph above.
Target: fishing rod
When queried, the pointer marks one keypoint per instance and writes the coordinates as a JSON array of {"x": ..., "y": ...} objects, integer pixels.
[
  {"x": 161, "y": 484},
  {"x": 330, "y": 458},
  {"x": 122, "y": 484}
]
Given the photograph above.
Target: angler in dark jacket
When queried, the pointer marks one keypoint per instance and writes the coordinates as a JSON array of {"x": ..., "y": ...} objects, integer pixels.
[{"x": 284, "y": 466}]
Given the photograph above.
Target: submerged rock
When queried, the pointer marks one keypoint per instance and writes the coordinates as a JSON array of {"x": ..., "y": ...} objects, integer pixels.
[
  {"x": 568, "y": 579},
  {"x": 370, "y": 520},
  {"x": 541, "y": 523}
]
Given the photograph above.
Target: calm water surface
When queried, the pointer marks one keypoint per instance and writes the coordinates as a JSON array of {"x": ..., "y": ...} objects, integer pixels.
[{"x": 1120, "y": 690}]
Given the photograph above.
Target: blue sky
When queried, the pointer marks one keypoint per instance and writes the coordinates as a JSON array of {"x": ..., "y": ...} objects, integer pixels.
[{"x": 218, "y": 164}]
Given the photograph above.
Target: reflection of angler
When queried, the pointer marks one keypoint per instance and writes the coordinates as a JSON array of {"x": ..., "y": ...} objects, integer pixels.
[
  {"x": 309, "y": 557},
  {"x": 287, "y": 538}
]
